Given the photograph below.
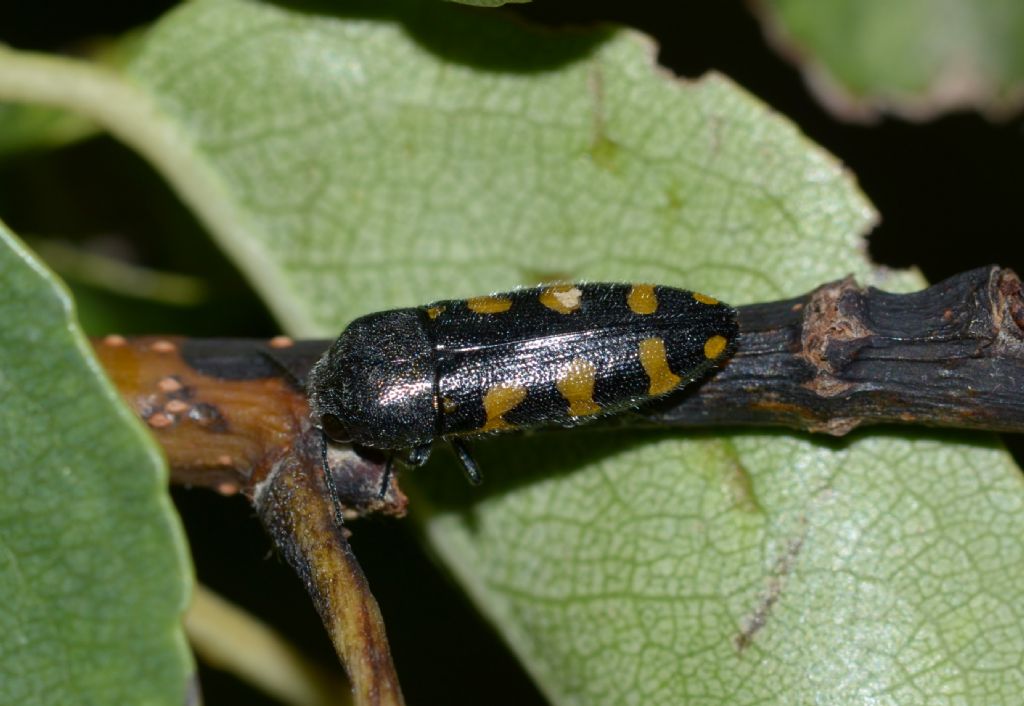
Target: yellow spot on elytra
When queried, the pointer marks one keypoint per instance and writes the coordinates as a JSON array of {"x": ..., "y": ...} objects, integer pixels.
[
  {"x": 434, "y": 311},
  {"x": 448, "y": 405},
  {"x": 714, "y": 346},
  {"x": 642, "y": 300},
  {"x": 499, "y": 400},
  {"x": 704, "y": 298},
  {"x": 655, "y": 362},
  {"x": 577, "y": 386},
  {"x": 563, "y": 298},
  {"x": 489, "y": 305}
]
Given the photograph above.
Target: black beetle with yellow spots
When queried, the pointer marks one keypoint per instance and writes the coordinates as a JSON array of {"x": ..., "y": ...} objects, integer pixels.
[{"x": 556, "y": 355}]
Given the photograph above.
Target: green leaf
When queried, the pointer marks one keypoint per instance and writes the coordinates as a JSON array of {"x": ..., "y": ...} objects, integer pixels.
[
  {"x": 372, "y": 161},
  {"x": 917, "y": 58},
  {"x": 412, "y": 151},
  {"x": 27, "y": 127},
  {"x": 749, "y": 568},
  {"x": 93, "y": 571}
]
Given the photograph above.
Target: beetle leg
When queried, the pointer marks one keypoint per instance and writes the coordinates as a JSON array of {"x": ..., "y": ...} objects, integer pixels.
[
  {"x": 332, "y": 490},
  {"x": 466, "y": 459},
  {"x": 418, "y": 455},
  {"x": 386, "y": 478}
]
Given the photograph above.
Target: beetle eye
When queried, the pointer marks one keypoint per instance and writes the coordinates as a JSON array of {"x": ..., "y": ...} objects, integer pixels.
[{"x": 334, "y": 429}]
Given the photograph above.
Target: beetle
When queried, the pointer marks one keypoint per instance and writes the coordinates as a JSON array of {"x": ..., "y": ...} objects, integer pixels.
[{"x": 560, "y": 354}]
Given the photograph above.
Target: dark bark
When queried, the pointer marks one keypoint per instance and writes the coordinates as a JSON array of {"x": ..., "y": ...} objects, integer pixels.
[
  {"x": 951, "y": 355},
  {"x": 841, "y": 356},
  {"x": 232, "y": 416}
]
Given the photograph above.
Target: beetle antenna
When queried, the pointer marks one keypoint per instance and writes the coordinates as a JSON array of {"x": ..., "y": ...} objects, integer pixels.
[
  {"x": 332, "y": 490},
  {"x": 469, "y": 465}
]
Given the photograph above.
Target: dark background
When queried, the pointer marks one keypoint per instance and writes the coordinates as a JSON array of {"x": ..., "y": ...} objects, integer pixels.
[{"x": 948, "y": 191}]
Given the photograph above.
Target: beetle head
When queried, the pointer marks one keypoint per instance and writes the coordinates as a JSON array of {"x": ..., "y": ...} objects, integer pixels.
[{"x": 375, "y": 385}]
